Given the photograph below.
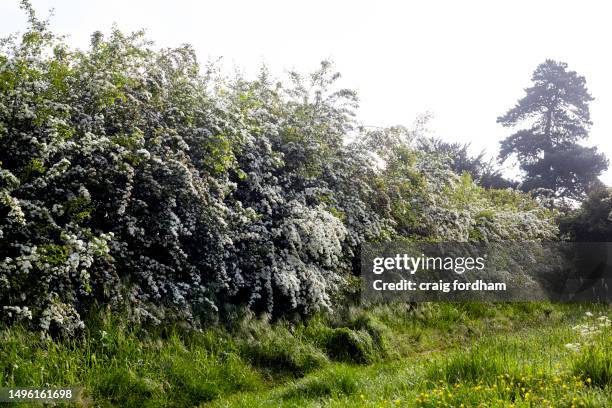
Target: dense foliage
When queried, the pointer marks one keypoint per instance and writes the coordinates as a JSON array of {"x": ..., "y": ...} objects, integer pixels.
[
  {"x": 130, "y": 178},
  {"x": 484, "y": 172},
  {"x": 592, "y": 222}
]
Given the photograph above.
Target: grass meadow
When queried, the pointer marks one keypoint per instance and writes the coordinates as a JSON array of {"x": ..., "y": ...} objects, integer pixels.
[{"x": 427, "y": 355}]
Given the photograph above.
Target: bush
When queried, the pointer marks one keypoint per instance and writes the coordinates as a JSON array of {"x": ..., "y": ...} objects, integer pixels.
[
  {"x": 127, "y": 178},
  {"x": 130, "y": 180},
  {"x": 591, "y": 222},
  {"x": 353, "y": 346}
]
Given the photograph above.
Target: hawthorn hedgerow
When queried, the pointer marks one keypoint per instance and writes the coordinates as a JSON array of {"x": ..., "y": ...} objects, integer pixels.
[{"x": 132, "y": 178}]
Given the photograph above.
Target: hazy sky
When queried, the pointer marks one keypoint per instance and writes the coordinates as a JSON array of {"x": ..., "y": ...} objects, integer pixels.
[{"x": 465, "y": 61}]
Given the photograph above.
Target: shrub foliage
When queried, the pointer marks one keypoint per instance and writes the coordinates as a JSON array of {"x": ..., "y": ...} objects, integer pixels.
[{"x": 133, "y": 177}]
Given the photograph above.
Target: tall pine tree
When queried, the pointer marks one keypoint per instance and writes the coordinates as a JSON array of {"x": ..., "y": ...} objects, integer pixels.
[{"x": 551, "y": 119}]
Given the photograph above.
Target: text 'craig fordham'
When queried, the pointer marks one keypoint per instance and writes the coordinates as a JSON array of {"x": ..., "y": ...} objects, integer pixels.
[{"x": 440, "y": 286}]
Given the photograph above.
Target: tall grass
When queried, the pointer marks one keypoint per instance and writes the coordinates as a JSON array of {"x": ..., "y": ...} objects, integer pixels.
[
  {"x": 594, "y": 363},
  {"x": 387, "y": 355}
]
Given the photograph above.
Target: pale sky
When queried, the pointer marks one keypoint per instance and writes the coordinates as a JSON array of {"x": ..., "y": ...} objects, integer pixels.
[{"x": 465, "y": 61}]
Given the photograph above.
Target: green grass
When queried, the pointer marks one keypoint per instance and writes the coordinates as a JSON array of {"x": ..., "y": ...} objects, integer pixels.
[
  {"x": 431, "y": 355},
  {"x": 595, "y": 362}
]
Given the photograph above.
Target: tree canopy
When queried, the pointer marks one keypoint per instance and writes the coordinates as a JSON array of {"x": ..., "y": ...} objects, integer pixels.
[{"x": 551, "y": 119}]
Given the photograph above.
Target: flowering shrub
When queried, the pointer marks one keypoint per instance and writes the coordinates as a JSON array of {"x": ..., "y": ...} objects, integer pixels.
[
  {"x": 424, "y": 198},
  {"x": 128, "y": 178}
]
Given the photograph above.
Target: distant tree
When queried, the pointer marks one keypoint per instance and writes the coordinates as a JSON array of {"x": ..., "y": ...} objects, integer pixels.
[
  {"x": 482, "y": 171},
  {"x": 554, "y": 116}
]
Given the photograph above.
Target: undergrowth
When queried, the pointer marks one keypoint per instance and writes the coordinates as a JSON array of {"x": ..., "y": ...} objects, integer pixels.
[{"x": 388, "y": 355}]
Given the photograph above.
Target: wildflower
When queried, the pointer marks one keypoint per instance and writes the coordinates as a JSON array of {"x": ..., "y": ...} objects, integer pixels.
[{"x": 573, "y": 346}]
